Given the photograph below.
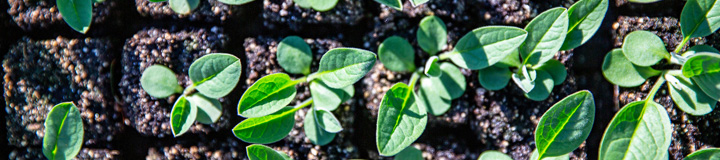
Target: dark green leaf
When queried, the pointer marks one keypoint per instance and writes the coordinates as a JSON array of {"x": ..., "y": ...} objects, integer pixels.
[
  {"x": 688, "y": 96},
  {"x": 432, "y": 68},
  {"x": 705, "y": 154},
  {"x": 543, "y": 86},
  {"x": 620, "y": 71},
  {"x": 565, "y": 125},
  {"x": 184, "y": 6},
  {"x": 486, "y": 46},
  {"x": 409, "y": 153},
  {"x": 428, "y": 97},
  {"x": 266, "y": 129},
  {"x": 641, "y": 130},
  {"x": 268, "y": 95},
  {"x": 235, "y": 2},
  {"x": 704, "y": 69},
  {"x": 159, "y": 81},
  {"x": 556, "y": 70},
  {"x": 431, "y": 33},
  {"x": 76, "y": 13},
  {"x": 585, "y": 17},
  {"x": 400, "y": 120},
  {"x": 294, "y": 55},
  {"x": 215, "y": 75},
  {"x": 329, "y": 98},
  {"x": 182, "y": 116},
  {"x": 323, "y": 5},
  {"x": 63, "y": 132},
  {"x": 495, "y": 77},
  {"x": 342, "y": 67},
  {"x": 261, "y": 152},
  {"x": 700, "y": 18},
  {"x": 397, "y": 54},
  {"x": 314, "y": 132},
  {"x": 210, "y": 109},
  {"x": 546, "y": 34},
  {"x": 395, "y": 4},
  {"x": 644, "y": 48},
  {"x": 493, "y": 155}
]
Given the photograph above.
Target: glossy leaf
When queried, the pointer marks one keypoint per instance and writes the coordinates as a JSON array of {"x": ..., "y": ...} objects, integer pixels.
[
  {"x": 400, "y": 120},
  {"x": 495, "y": 77},
  {"x": 210, "y": 109},
  {"x": 704, "y": 69},
  {"x": 620, "y": 71},
  {"x": 323, "y": 5},
  {"x": 327, "y": 121},
  {"x": 535, "y": 156},
  {"x": 699, "y": 49},
  {"x": 235, "y": 2},
  {"x": 432, "y": 68},
  {"x": 525, "y": 79},
  {"x": 395, "y": 4},
  {"x": 644, "y": 48},
  {"x": 342, "y": 67},
  {"x": 314, "y": 132},
  {"x": 494, "y": 155},
  {"x": 486, "y": 46},
  {"x": 585, "y": 18},
  {"x": 700, "y": 18},
  {"x": 543, "y": 86},
  {"x": 705, "y": 154},
  {"x": 428, "y": 97},
  {"x": 294, "y": 55},
  {"x": 266, "y": 129},
  {"x": 268, "y": 95},
  {"x": 159, "y": 81},
  {"x": 641, "y": 130},
  {"x": 431, "y": 34},
  {"x": 565, "y": 125},
  {"x": 451, "y": 84},
  {"x": 329, "y": 98},
  {"x": 182, "y": 116},
  {"x": 76, "y": 13},
  {"x": 184, "y": 6},
  {"x": 688, "y": 96},
  {"x": 261, "y": 152},
  {"x": 397, "y": 54},
  {"x": 215, "y": 75},
  {"x": 546, "y": 34},
  {"x": 556, "y": 70},
  {"x": 63, "y": 132},
  {"x": 409, "y": 153}
]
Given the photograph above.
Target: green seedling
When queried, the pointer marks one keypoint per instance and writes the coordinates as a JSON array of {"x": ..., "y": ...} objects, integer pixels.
[
  {"x": 261, "y": 152},
  {"x": 317, "y": 5},
  {"x": 63, "y": 132},
  {"x": 705, "y": 154},
  {"x": 187, "y": 6},
  {"x": 264, "y": 103},
  {"x": 77, "y": 13},
  {"x": 213, "y": 76},
  {"x": 397, "y": 4}
]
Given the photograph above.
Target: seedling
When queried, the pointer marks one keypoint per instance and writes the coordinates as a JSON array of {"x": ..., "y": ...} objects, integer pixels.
[
  {"x": 397, "y": 4},
  {"x": 213, "y": 76},
  {"x": 63, "y": 132},
  {"x": 187, "y": 6},
  {"x": 77, "y": 13},
  {"x": 317, "y": 5},
  {"x": 264, "y": 103},
  {"x": 261, "y": 152}
]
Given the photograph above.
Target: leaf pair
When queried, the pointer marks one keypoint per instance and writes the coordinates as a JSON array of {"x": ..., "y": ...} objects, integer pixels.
[
  {"x": 537, "y": 83},
  {"x": 397, "y": 4},
  {"x": 196, "y": 107},
  {"x": 317, "y": 5},
  {"x": 437, "y": 93},
  {"x": 639, "y": 129},
  {"x": 63, "y": 132},
  {"x": 398, "y": 55}
]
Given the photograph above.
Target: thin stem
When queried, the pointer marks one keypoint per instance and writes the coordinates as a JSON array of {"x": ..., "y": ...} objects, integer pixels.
[
  {"x": 656, "y": 88},
  {"x": 189, "y": 90},
  {"x": 414, "y": 79},
  {"x": 302, "y": 79},
  {"x": 304, "y": 104},
  {"x": 681, "y": 45}
]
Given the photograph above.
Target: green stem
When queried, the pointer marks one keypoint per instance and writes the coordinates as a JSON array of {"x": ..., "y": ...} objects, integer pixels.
[
  {"x": 189, "y": 90},
  {"x": 681, "y": 45},
  {"x": 446, "y": 55},
  {"x": 304, "y": 104},
  {"x": 414, "y": 79},
  {"x": 656, "y": 88}
]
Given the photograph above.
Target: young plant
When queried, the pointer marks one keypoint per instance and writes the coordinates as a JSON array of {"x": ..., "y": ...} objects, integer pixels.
[
  {"x": 213, "y": 76},
  {"x": 317, "y": 5},
  {"x": 710, "y": 153},
  {"x": 77, "y": 13},
  {"x": 261, "y": 152},
  {"x": 264, "y": 103},
  {"x": 397, "y": 4},
  {"x": 187, "y": 6},
  {"x": 63, "y": 132}
]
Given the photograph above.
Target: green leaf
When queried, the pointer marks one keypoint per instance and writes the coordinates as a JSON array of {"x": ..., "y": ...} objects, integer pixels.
[
  {"x": 329, "y": 98},
  {"x": 409, "y": 153},
  {"x": 643, "y": 1},
  {"x": 546, "y": 34},
  {"x": 268, "y": 95},
  {"x": 431, "y": 33},
  {"x": 620, "y": 71},
  {"x": 512, "y": 60},
  {"x": 294, "y": 55},
  {"x": 543, "y": 86},
  {"x": 705, "y": 154},
  {"x": 428, "y": 97},
  {"x": 159, "y": 81},
  {"x": 400, "y": 120},
  {"x": 184, "y": 6},
  {"x": 556, "y": 70},
  {"x": 451, "y": 84},
  {"x": 565, "y": 125},
  {"x": 397, "y": 54},
  {"x": 486, "y": 46},
  {"x": 700, "y": 18},
  {"x": 182, "y": 116},
  {"x": 432, "y": 68},
  {"x": 314, "y": 132},
  {"x": 641, "y": 130},
  {"x": 327, "y": 121},
  {"x": 210, "y": 109},
  {"x": 688, "y": 96},
  {"x": 63, "y": 132},
  {"x": 418, "y": 2},
  {"x": 704, "y": 69},
  {"x": 323, "y": 5},
  {"x": 395, "y": 4},
  {"x": 303, "y": 3},
  {"x": 535, "y": 156},
  {"x": 699, "y": 48},
  {"x": 525, "y": 79},
  {"x": 266, "y": 129},
  {"x": 342, "y": 67},
  {"x": 644, "y": 48},
  {"x": 76, "y": 13},
  {"x": 215, "y": 75},
  {"x": 495, "y": 77},
  {"x": 235, "y": 2},
  {"x": 261, "y": 152},
  {"x": 585, "y": 18},
  {"x": 494, "y": 155}
]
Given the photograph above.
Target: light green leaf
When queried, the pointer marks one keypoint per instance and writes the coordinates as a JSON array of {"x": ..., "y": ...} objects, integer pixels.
[
  {"x": 700, "y": 18},
  {"x": 294, "y": 55},
  {"x": 215, "y": 75},
  {"x": 451, "y": 84},
  {"x": 428, "y": 97},
  {"x": 184, "y": 6},
  {"x": 268, "y": 95},
  {"x": 512, "y": 60},
  {"x": 416, "y": 3},
  {"x": 644, "y": 48},
  {"x": 210, "y": 109},
  {"x": 159, "y": 81},
  {"x": 525, "y": 79},
  {"x": 494, "y": 155},
  {"x": 397, "y": 54},
  {"x": 565, "y": 125},
  {"x": 432, "y": 68},
  {"x": 585, "y": 18},
  {"x": 303, "y": 3},
  {"x": 182, "y": 116},
  {"x": 704, "y": 69},
  {"x": 705, "y": 154},
  {"x": 620, "y": 71},
  {"x": 535, "y": 156},
  {"x": 432, "y": 33},
  {"x": 314, "y": 132},
  {"x": 395, "y": 4},
  {"x": 495, "y": 77},
  {"x": 342, "y": 67},
  {"x": 698, "y": 49},
  {"x": 688, "y": 96},
  {"x": 235, "y": 2},
  {"x": 640, "y": 130},
  {"x": 556, "y": 70},
  {"x": 76, "y": 13},
  {"x": 486, "y": 46},
  {"x": 329, "y": 98},
  {"x": 400, "y": 120},
  {"x": 327, "y": 121},
  {"x": 323, "y": 5},
  {"x": 546, "y": 34},
  {"x": 543, "y": 86},
  {"x": 266, "y": 129},
  {"x": 63, "y": 132},
  {"x": 261, "y": 152},
  {"x": 409, "y": 153}
]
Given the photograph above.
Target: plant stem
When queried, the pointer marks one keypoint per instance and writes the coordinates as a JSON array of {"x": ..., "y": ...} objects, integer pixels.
[
  {"x": 413, "y": 79},
  {"x": 656, "y": 88},
  {"x": 304, "y": 104},
  {"x": 446, "y": 55},
  {"x": 189, "y": 90},
  {"x": 681, "y": 45}
]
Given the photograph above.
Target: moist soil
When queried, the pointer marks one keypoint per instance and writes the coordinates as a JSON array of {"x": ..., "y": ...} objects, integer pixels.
[{"x": 131, "y": 35}]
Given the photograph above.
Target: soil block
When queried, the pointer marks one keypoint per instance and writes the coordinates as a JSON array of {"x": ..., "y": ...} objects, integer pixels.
[
  {"x": 32, "y": 15},
  {"x": 210, "y": 11},
  {"x": 286, "y": 12}
]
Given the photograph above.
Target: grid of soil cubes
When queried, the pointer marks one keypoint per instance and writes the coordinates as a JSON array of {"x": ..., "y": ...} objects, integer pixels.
[{"x": 45, "y": 62}]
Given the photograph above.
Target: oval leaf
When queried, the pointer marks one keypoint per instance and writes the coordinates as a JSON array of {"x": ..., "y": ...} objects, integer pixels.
[
  {"x": 644, "y": 48},
  {"x": 432, "y": 68},
  {"x": 451, "y": 84},
  {"x": 640, "y": 129},
  {"x": 210, "y": 109},
  {"x": 556, "y": 70},
  {"x": 700, "y": 18},
  {"x": 327, "y": 121},
  {"x": 76, "y": 13},
  {"x": 565, "y": 125},
  {"x": 63, "y": 132},
  {"x": 294, "y": 55},
  {"x": 314, "y": 132},
  {"x": 261, "y": 152},
  {"x": 704, "y": 69},
  {"x": 620, "y": 71},
  {"x": 495, "y": 77},
  {"x": 428, "y": 97},
  {"x": 689, "y": 97},
  {"x": 543, "y": 86},
  {"x": 397, "y": 54},
  {"x": 183, "y": 6},
  {"x": 400, "y": 120},
  {"x": 266, "y": 129},
  {"x": 705, "y": 154},
  {"x": 395, "y": 4},
  {"x": 342, "y": 67},
  {"x": 432, "y": 34},
  {"x": 323, "y": 5},
  {"x": 182, "y": 116},
  {"x": 329, "y": 98},
  {"x": 546, "y": 34},
  {"x": 268, "y": 95},
  {"x": 585, "y": 17},
  {"x": 159, "y": 81},
  {"x": 409, "y": 153},
  {"x": 486, "y": 46},
  {"x": 493, "y": 155},
  {"x": 303, "y": 3},
  {"x": 235, "y": 2},
  {"x": 215, "y": 75}
]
